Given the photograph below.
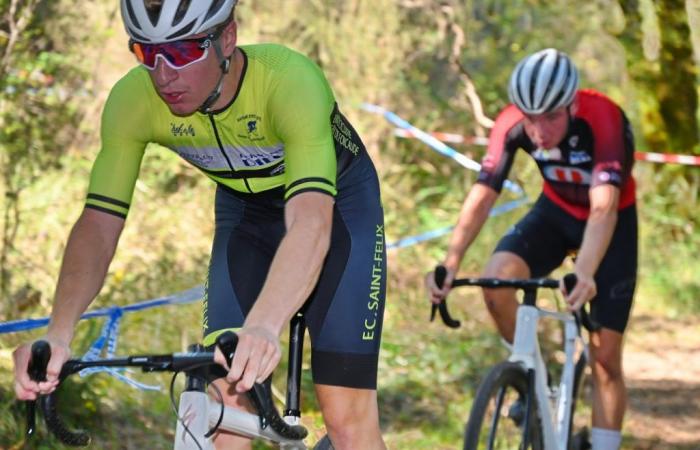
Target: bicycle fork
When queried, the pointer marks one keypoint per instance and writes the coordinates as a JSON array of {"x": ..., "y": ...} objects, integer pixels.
[{"x": 526, "y": 351}]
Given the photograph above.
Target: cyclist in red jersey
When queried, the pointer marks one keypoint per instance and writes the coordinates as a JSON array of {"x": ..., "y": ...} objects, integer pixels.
[{"x": 583, "y": 146}]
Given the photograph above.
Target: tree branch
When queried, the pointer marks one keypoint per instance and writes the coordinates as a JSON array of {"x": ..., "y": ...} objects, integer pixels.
[
  {"x": 483, "y": 121},
  {"x": 18, "y": 18}
]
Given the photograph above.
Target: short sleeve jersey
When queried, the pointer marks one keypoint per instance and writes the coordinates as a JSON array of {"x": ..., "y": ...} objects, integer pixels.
[
  {"x": 597, "y": 149},
  {"x": 282, "y": 129}
]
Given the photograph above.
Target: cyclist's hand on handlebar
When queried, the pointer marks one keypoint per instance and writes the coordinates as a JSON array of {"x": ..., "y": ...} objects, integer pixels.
[
  {"x": 256, "y": 356},
  {"x": 583, "y": 292},
  {"x": 436, "y": 294},
  {"x": 25, "y": 387}
]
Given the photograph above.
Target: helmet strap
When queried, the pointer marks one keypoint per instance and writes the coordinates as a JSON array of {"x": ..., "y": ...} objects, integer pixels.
[
  {"x": 224, "y": 65},
  {"x": 569, "y": 115}
]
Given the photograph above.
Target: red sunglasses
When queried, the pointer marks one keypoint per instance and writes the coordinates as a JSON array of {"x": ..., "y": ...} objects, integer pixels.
[{"x": 176, "y": 54}]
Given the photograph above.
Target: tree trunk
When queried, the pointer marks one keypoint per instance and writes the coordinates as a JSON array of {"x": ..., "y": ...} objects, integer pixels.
[
  {"x": 667, "y": 91},
  {"x": 644, "y": 77},
  {"x": 678, "y": 98}
]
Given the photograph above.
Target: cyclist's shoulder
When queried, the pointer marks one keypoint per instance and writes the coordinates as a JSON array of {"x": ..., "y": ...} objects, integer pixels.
[
  {"x": 136, "y": 82},
  {"x": 274, "y": 57},
  {"x": 507, "y": 119},
  {"x": 591, "y": 102},
  {"x": 131, "y": 93},
  {"x": 132, "y": 106}
]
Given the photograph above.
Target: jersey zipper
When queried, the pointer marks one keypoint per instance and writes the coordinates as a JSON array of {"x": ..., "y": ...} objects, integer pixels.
[{"x": 223, "y": 153}]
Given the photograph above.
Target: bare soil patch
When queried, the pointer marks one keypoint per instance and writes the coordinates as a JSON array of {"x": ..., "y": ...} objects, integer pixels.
[{"x": 662, "y": 369}]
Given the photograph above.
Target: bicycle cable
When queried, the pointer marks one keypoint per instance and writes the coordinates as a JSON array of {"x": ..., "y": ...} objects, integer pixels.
[
  {"x": 221, "y": 414},
  {"x": 173, "y": 404}
]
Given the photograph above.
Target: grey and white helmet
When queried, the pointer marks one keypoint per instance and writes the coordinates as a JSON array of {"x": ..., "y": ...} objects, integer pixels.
[
  {"x": 543, "y": 81},
  {"x": 159, "y": 21}
]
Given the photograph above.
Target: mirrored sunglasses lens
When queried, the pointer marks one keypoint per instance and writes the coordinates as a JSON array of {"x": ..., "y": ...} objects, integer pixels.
[{"x": 183, "y": 53}]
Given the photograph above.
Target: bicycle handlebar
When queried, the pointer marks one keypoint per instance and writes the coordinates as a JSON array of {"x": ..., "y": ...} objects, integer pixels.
[
  {"x": 260, "y": 394},
  {"x": 526, "y": 285}
]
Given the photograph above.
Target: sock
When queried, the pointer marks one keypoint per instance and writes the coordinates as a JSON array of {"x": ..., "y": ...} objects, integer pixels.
[{"x": 603, "y": 439}]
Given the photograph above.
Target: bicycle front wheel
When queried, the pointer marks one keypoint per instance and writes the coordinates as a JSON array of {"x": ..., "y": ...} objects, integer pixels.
[{"x": 497, "y": 417}]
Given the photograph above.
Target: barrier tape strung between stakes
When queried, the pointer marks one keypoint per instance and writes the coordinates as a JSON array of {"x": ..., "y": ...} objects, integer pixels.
[
  {"x": 662, "y": 158},
  {"x": 435, "y": 143}
]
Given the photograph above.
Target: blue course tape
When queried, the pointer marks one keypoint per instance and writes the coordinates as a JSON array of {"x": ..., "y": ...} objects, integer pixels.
[
  {"x": 407, "y": 242},
  {"x": 187, "y": 296},
  {"x": 436, "y": 144}
]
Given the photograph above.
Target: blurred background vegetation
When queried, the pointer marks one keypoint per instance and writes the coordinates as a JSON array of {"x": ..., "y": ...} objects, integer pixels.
[{"x": 441, "y": 64}]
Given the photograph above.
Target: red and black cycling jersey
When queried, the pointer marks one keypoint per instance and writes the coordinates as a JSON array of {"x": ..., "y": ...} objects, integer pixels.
[{"x": 598, "y": 149}]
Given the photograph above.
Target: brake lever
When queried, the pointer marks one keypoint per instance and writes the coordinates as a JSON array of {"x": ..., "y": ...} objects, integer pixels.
[
  {"x": 440, "y": 275},
  {"x": 39, "y": 359}
]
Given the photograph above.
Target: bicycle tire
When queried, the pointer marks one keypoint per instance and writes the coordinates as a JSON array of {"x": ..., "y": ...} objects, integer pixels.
[
  {"x": 580, "y": 439},
  {"x": 480, "y": 432}
]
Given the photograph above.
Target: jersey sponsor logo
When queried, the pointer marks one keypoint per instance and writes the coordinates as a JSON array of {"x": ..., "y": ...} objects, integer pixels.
[
  {"x": 579, "y": 157},
  {"x": 240, "y": 158},
  {"x": 609, "y": 177},
  {"x": 182, "y": 129},
  {"x": 542, "y": 154},
  {"x": 573, "y": 141},
  {"x": 251, "y": 124},
  {"x": 375, "y": 287},
  {"x": 609, "y": 172},
  {"x": 253, "y": 129},
  {"x": 277, "y": 170},
  {"x": 342, "y": 134},
  {"x": 563, "y": 174},
  {"x": 256, "y": 157}
]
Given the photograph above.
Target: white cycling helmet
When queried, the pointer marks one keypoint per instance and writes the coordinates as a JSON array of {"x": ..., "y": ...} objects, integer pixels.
[
  {"x": 159, "y": 21},
  {"x": 543, "y": 81}
]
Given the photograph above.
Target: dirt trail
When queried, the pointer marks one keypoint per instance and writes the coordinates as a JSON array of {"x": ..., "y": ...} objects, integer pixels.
[{"x": 662, "y": 368}]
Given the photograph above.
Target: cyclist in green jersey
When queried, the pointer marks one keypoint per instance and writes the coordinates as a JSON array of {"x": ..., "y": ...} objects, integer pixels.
[{"x": 299, "y": 223}]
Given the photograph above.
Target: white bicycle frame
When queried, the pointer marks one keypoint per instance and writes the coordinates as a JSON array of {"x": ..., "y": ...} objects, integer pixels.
[
  {"x": 553, "y": 405},
  {"x": 200, "y": 413}
]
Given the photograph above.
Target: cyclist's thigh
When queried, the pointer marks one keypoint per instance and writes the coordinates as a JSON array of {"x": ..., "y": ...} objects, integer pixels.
[
  {"x": 538, "y": 239},
  {"x": 616, "y": 277},
  {"x": 245, "y": 239},
  {"x": 346, "y": 310}
]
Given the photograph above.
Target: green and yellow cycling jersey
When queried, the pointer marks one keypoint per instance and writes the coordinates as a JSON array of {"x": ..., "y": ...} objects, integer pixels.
[{"x": 282, "y": 129}]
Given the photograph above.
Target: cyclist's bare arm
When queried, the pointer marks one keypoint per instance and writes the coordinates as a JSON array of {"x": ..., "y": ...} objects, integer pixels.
[
  {"x": 293, "y": 274},
  {"x": 604, "y": 200},
  {"x": 89, "y": 251},
  {"x": 474, "y": 213}
]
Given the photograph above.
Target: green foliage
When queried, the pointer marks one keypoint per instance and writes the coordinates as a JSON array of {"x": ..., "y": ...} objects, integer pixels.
[{"x": 39, "y": 107}]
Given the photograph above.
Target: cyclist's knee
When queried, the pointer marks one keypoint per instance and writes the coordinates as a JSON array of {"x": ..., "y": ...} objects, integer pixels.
[
  {"x": 351, "y": 417},
  {"x": 495, "y": 299},
  {"x": 607, "y": 365}
]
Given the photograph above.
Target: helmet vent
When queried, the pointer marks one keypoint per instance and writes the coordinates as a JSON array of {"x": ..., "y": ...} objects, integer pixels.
[
  {"x": 213, "y": 9},
  {"x": 186, "y": 31},
  {"x": 132, "y": 14},
  {"x": 153, "y": 11},
  {"x": 137, "y": 36},
  {"x": 181, "y": 12}
]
